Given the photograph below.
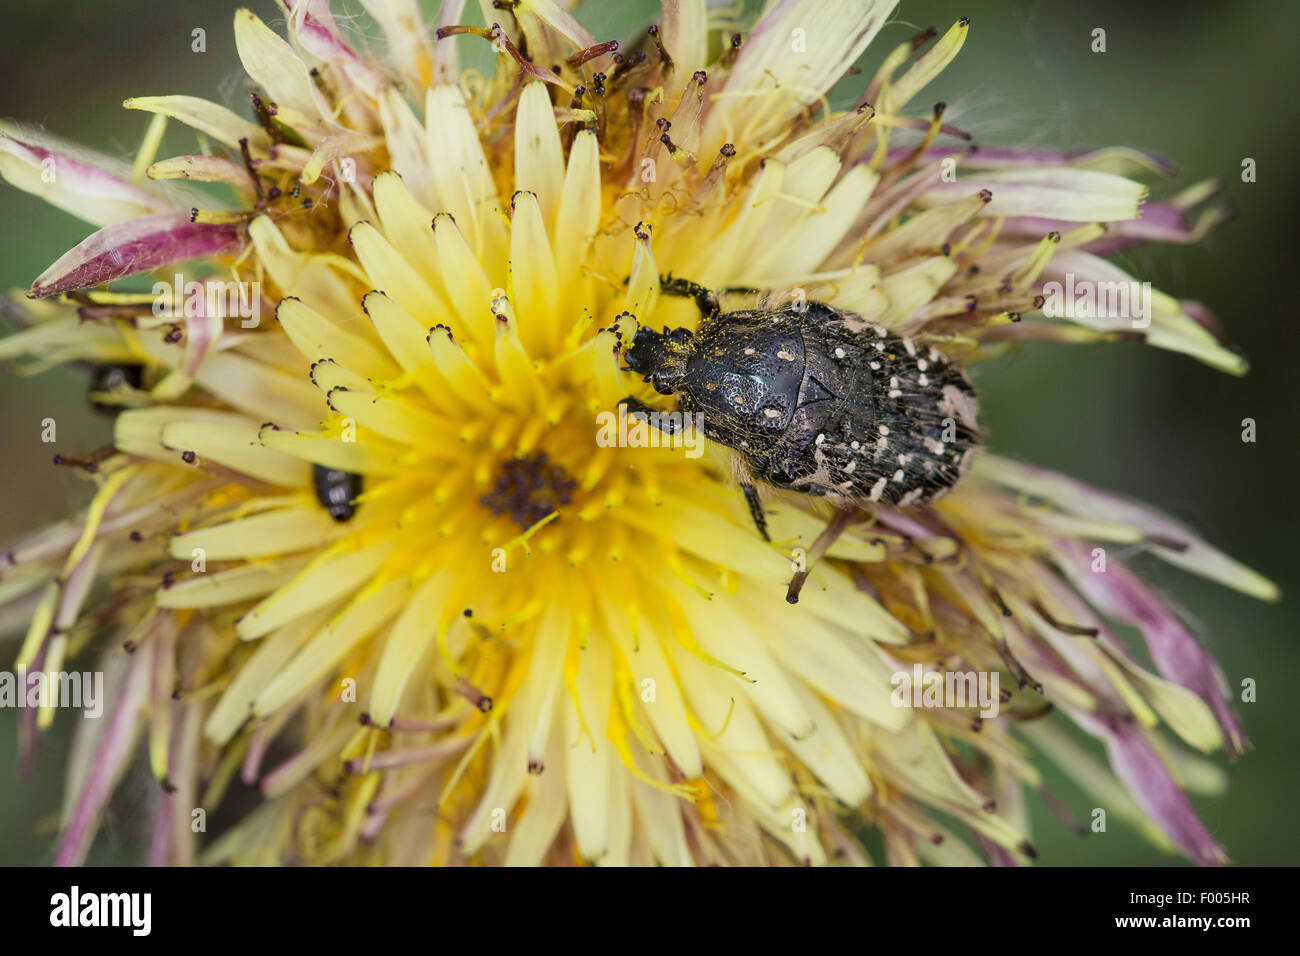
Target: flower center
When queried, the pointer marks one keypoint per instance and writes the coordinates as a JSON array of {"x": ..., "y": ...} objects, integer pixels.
[{"x": 529, "y": 489}]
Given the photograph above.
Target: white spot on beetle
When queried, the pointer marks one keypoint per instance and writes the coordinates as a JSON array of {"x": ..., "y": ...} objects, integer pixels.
[{"x": 960, "y": 404}]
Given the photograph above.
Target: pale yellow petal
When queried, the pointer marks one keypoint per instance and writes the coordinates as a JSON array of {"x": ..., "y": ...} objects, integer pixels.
[
  {"x": 539, "y": 159},
  {"x": 329, "y": 577},
  {"x": 320, "y": 338}
]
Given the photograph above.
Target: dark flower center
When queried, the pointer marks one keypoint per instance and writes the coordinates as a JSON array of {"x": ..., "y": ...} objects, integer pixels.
[{"x": 529, "y": 489}]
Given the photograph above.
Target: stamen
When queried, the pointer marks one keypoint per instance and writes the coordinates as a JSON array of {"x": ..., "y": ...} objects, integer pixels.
[
  {"x": 495, "y": 34},
  {"x": 219, "y": 217},
  {"x": 406, "y": 756},
  {"x": 1062, "y": 626},
  {"x": 583, "y": 56},
  {"x": 472, "y": 694},
  {"x": 252, "y": 170},
  {"x": 659, "y": 45},
  {"x": 733, "y": 51}
]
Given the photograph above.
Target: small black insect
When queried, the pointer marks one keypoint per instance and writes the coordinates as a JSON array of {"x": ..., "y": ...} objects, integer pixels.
[
  {"x": 337, "y": 490},
  {"x": 815, "y": 400},
  {"x": 110, "y": 378}
]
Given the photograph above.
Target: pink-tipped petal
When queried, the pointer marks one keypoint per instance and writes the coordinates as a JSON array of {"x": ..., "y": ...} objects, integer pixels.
[
  {"x": 94, "y": 188},
  {"x": 136, "y": 246},
  {"x": 111, "y": 754},
  {"x": 1171, "y": 540},
  {"x": 312, "y": 24},
  {"x": 1140, "y": 768},
  {"x": 1176, "y": 652},
  {"x": 1120, "y": 160}
]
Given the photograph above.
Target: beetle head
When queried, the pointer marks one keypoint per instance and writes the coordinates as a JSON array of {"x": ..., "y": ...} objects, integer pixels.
[{"x": 659, "y": 357}]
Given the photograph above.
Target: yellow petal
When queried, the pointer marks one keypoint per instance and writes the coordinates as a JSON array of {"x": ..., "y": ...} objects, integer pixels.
[
  {"x": 539, "y": 159},
  {"x": 368, "y": 612},
  {"x": 236, "y": 446},
  {"x": 274, "y": 532},
  {"x": 219, "y": 588},
  {"x": 216, "y": 121},
  {"x": 320, "y": 338},
  {"x": 411, "y": 635},
  {"x": 329, "y": 577},
  {"x": 392, "y": 275},
  {"x": 273, "y": 64}
]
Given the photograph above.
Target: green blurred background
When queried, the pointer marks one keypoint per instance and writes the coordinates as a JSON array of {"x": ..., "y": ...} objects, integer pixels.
[{"x": 1206, "y": 86}]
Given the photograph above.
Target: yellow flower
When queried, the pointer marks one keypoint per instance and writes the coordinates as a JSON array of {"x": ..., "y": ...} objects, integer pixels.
[{"x": 373, "y": 548}]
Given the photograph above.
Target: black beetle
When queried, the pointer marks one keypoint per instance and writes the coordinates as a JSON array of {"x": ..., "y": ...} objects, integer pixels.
[
  {"x": 815, "y": 400},
  {"x": 337, "y": 490}
]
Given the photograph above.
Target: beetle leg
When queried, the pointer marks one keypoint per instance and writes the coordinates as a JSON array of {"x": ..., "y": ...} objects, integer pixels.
[
  {"x": 635, "y": 408},
  {"x": 834, "y": 528},
  {"x": 756, "y": 509},
  {"x": 704, "y": 298}
]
